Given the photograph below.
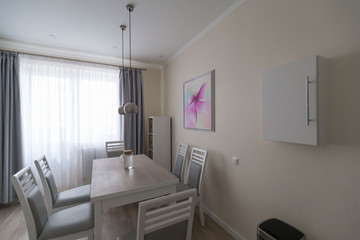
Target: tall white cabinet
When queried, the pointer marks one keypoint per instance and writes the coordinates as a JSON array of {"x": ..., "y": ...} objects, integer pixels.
[
  {"x": 160, "y": 140},
  {"x": 294, "y": 99}
]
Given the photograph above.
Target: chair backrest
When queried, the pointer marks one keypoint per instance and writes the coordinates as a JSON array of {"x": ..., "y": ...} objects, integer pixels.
[
  {"x": 31, "y": 201},
  {"x": 180, "y": 161},
  {"x": 168, "y": 217},
  {"x": 114, "y": 148},
  {"x": 48, "y": 182},
  {"x": 196, "y": 168}
]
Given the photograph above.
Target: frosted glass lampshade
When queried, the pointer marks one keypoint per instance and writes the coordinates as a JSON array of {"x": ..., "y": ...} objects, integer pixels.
[
  {"x": 130, "y": 108},
  {"x": 121, "y": 110}
]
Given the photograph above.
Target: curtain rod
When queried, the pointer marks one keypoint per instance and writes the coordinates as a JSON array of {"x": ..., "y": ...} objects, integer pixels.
[{"x": 77, "y": 60}]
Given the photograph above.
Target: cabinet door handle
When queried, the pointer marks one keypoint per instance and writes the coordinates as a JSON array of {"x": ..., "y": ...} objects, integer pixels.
[{"x": 307, "y": 100}]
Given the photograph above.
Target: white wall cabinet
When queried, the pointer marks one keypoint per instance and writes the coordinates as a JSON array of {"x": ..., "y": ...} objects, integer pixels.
[
  {"x": 160, "y": 140},
  {"x": 294, "y": 98}
]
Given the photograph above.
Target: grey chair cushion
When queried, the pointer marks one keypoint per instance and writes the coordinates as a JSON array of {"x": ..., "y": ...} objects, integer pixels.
[
  {"x": 68, "y": 221},
  {"x": 173, "y": 232},
  {"x": 180, "y": 187},
  {"x": 194, "y": 175},
  {"x": 111, "y": 154},
  {"x": 73, "y": 196},
  {"x": 51, "y": 182},
  {"x": 128, "y": 236},
  {"x": 178, "y": 166},
  {"x": 38, "y": 208}
]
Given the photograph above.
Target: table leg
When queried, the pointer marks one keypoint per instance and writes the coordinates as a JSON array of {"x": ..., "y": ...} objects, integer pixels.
[{"x": 97, "y": 220}]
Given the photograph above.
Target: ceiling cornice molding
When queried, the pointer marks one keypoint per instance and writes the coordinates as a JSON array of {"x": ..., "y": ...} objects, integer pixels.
[
  {"x": 206, "y": 29},
  {"x": 22, "y": 47}
]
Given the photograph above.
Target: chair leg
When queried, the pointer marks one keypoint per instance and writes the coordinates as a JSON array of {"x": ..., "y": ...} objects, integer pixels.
[{"x": 201, "y": 213}]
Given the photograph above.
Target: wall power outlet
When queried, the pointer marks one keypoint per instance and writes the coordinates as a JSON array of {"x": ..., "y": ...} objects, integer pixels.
[{"x": 235, "y": 161}]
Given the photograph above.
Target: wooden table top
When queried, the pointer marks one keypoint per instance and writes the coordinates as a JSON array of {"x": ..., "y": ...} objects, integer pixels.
[{"x": 111, "y": 180}]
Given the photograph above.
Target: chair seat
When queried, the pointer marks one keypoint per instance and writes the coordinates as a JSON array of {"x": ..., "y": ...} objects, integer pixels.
[
  {"x": 73, "y": 196},
  {"x": 128, "y": 236},
  {"x": 180, "y": 187},
  {"x": 111, "y": 154},
  {"x": 173, "y": 232},
  {"x": 69, "y": 221}
]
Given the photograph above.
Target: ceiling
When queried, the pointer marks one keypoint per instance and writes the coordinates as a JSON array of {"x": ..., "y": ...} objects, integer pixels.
[{"x": 160, "y": 28}]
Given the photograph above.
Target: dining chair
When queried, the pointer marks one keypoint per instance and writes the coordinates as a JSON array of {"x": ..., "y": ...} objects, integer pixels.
[
  {"x": 195, "y": 176},
  {"x": 56, "y": 201},
  {"x": 72, "y": 223},
  {"x": 180, "y": 161},
  {"x": 114, "y": 148},
  {"x": 164, "y": 218}
]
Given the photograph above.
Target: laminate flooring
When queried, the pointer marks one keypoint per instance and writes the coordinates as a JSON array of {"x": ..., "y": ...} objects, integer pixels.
[{"x": 116, "y": 221}]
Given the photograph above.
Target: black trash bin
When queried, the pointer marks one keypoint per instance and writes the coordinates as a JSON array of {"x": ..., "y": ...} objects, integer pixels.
[{"x": 275, "y": 229}]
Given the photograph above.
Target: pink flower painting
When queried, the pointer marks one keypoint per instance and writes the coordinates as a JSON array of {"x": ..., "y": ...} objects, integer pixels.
[{"x": 198, "y": 102}]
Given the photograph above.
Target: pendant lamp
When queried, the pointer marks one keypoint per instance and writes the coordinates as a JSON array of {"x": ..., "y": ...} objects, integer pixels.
[
  {"x": 130, "y": 107},
  {"x": 122, "y": 27}
]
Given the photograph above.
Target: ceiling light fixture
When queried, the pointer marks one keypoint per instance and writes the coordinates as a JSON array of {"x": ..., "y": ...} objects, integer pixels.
[
  {"x": 130, "y": 107},
  {"x": 123, "y": 27}
]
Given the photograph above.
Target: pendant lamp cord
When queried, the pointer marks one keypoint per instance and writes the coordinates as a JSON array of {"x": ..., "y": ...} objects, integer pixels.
[
  {"x": 122, "y": 37},
  {"x": 130, "y": 10}
]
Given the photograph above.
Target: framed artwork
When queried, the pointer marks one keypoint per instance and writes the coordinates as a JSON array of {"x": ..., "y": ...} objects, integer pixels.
[{"x": 199, "y": 102}]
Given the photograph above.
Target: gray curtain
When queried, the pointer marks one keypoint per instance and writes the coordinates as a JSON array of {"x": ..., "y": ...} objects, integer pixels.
[
  {"x": 131, "y": 90},
  {"x": 10, "y": 125}
]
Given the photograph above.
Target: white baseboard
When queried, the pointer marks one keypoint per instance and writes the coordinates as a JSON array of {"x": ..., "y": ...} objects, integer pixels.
[{"x": 222, "y": 224}]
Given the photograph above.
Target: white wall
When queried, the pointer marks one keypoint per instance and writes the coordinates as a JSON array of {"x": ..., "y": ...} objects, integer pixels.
[
  {"x": 315, "y": 189},
  {"x": 152, "y": 98}
]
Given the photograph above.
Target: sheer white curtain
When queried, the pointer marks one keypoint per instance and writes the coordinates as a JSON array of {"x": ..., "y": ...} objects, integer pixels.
[{"x": 69, "y": 111}]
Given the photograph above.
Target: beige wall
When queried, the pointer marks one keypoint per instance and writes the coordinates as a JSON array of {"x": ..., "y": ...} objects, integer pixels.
[
  {"x": 316, "y": 189},
  {"x": 152, "y": 98}
]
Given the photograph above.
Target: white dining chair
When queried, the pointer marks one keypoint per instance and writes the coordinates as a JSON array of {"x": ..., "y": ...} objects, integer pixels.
[
  {"x": 180, "y": 161},
  {"x": 195, "y": 176},
  {"x": 72, "y": 223},
  {"x": 164, "y": 218},
  {"x": 114, "y": 148},
  {"x": 56, "y": 201}
]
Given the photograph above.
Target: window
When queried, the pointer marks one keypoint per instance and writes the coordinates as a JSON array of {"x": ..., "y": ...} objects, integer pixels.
[{"x": 69, "y": 111}]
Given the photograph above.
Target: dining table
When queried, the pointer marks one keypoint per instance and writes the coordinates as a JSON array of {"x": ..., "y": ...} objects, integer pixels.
[{"x": 112, "y": 185}]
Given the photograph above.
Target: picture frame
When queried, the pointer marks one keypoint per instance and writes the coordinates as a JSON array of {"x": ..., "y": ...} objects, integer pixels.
[{"x": 199, "y": 102}]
